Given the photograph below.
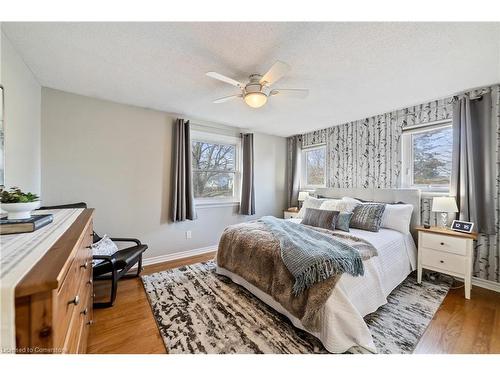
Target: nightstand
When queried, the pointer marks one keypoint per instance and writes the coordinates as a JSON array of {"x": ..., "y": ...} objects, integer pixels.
[
  {"x": 290, "y": 213},
  {"x": 446, "y": 251}
]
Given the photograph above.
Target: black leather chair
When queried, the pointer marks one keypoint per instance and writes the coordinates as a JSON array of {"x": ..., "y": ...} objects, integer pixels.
[{"x": 116, "y": 266}]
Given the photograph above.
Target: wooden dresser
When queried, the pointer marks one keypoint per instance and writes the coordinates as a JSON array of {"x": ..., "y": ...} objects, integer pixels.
[{"x": 53, "y": 301}]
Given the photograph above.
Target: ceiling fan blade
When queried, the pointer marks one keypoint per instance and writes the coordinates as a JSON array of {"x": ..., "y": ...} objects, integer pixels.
[
  {"x": 223, "y": 78},
  {"x": 295, "y": 93},
  {"x": 227, "y": 98},
  {"x": 277, "y": 71}
]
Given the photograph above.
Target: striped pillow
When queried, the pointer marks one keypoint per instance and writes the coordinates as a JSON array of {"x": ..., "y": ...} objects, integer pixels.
[
  {"x": 320, "y": 218},
  {"x": 367, "y": 216}
]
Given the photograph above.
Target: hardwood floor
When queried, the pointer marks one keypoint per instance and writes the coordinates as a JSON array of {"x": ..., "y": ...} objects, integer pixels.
[
  {"x": 464, "y": 326},
  {"x": 459, "y": 326}
]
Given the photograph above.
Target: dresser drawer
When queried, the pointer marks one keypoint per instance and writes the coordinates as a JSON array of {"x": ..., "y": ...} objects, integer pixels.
[
  {"x": 443, "y": 260},
  {"x": 65, "y": 301},
  {"x": 71, "y": 295},
  {"x": 75, "y": 340},
  {"x": 87, "y": 316},
  {"x": 444, "y": 243}
]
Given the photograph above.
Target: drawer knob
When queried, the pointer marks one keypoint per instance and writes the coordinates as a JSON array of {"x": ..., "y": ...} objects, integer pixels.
[
  {"x": 90, "y": 322},
  {"x": 441, "y": 261},
  {"x": 45, "y": 332},
  {"x": 88, "y": 247},
  {"x": 89, "y": 282},
  {"x": 442, "y": 243},
  {"x": 85, "y": 312},
  {"x": 74, "y": 301},
  {"x": 85, "y": 265}
]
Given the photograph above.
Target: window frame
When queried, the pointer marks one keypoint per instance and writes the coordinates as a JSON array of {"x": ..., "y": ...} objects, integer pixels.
[
  {"x": 303, "y": 167},
  {"x": 407, "y": 165},
  {"x": 221, "y": 139}
]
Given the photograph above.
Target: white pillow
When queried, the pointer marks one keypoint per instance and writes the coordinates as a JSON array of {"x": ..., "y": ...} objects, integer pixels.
[
  {"x": 397, "y": 217},
  {"x": 310, "y": 202},
  {"x": 103, "y": 247},
  {"x": 338, "y": 205}
]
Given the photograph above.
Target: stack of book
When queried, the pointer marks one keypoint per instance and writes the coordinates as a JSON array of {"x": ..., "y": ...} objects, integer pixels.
[{"x": 24, "y": 225}]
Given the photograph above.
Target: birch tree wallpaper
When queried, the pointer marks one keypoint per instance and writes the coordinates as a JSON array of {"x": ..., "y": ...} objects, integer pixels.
[{"x": 367, "y": 153}]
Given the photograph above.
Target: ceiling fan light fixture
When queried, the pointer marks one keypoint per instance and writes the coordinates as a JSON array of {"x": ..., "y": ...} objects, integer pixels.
[{"x": 255, "y": 99}]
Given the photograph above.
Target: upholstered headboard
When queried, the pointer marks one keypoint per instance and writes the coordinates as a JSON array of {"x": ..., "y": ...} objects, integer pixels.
[{"x": 409, "y": 196}]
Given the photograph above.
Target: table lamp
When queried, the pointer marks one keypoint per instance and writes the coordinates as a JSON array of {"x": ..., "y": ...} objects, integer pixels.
[
  {"x": 302, "y": 197},
  {"x": 444, "y": 205}
]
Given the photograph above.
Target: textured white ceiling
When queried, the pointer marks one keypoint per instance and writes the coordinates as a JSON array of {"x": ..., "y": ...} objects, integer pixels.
[{"x": 353, "y": 70}]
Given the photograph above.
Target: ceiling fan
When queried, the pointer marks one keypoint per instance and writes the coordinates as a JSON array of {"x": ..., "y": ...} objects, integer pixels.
[{"x": 258, "y": 88}]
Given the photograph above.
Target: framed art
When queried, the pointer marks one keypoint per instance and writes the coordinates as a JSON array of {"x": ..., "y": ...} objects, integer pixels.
[{"x": 462, "y": 226}]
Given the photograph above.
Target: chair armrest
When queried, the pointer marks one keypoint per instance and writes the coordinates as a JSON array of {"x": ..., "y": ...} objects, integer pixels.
[
  {"x": 116, "y": 239},
  {"x": 106, "y": 258}
]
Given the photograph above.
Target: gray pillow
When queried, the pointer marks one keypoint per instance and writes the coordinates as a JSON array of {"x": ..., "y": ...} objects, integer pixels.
[
  {"x": 367, "y": 216},
  {"x": 320, "y": 218},
  {"x": 343, "y": 221}
]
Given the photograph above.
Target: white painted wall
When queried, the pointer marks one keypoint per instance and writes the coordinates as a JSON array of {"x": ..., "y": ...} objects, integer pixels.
[
  {"x": 22, "y": 121},
  {"x": 117, "y": 158}
]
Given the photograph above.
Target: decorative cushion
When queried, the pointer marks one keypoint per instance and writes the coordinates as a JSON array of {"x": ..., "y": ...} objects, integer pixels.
[
  {"x": 320, "y": 218},
  {"x": 343, "y": 220},
  {"x": 310, "y": 202},
  {"x": 338, "y": 205},
  {"x": 397, "y": 217},
  {"x": 103, "y": 247},
  {"x": 367, "y": 216}
]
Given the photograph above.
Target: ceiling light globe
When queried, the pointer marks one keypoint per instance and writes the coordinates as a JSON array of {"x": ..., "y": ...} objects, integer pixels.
[{"x": 255, "y": 99}]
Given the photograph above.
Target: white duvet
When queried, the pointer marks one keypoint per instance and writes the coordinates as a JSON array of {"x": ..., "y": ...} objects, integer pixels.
[{"x": 342, "y": 326}]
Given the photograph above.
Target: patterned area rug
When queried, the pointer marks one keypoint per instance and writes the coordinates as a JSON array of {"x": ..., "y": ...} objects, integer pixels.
[{"x": 198, "y": 311}]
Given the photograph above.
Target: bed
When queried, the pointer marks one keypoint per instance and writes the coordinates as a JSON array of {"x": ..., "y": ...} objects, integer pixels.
[{"x": 341, "y": 326}]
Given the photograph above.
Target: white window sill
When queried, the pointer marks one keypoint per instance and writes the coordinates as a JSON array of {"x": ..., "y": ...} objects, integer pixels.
[
  {"x": 434, "y": 193},
  {"x": 214, "y": 204}
]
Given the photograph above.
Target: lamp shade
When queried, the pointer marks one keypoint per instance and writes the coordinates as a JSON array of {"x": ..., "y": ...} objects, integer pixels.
[
  {"x": 303, "y": 195},
  {"x": 444, "y": 204}
]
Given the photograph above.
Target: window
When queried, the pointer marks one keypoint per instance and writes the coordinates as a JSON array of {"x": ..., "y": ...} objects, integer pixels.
[
  {"x": 427, "y": 157},
  {"x": 313, "y": 167},
  {"x": 215, "y": 165}
]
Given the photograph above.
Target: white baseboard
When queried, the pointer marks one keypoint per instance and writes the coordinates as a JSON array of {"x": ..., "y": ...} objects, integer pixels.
[
  {"x": 486, "y": 284},
  {"x": 178, "y": 255}
]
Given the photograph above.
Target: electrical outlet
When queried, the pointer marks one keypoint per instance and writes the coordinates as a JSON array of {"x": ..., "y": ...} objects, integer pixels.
[{"x": 188, "y": 234}]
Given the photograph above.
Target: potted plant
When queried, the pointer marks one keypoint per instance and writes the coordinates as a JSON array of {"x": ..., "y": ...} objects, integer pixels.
[{"x": 18, "y": 204}]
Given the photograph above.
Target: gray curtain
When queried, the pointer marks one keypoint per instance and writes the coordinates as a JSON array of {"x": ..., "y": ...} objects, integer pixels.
[
  {"x": 182, "y": 180},
  {"x": 247, "y": 205},
  {"x": 473, "y": 161},
  {"x": 294, "y": 148}
]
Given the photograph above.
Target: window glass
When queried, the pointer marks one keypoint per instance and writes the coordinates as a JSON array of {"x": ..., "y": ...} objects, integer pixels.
[
  {"x": 214, "y": 168},
  {"x": 432, "y": 157},
  {"x": 314, "y": 167}
]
